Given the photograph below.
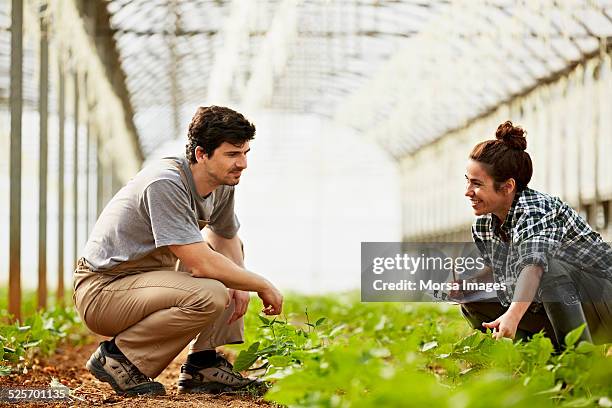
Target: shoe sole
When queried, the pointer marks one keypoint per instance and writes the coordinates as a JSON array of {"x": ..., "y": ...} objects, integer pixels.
[
  {"x": 212, "y": 388},
  {"x": 98, "y": 371}
]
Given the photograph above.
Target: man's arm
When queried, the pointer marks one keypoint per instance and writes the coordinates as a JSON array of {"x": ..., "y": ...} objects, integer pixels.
[
  {"x": 232, "y": 249},
  {"x": 202, "y": 262}
]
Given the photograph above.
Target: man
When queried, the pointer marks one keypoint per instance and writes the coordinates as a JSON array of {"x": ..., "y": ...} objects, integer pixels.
[{"x": 130, "y": 285}]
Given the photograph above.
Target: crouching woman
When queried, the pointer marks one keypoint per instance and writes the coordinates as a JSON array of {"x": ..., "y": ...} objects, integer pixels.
[{"x": 556, "y": 270}]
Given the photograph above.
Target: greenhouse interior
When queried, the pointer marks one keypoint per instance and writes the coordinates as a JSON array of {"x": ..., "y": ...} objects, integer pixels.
[{"x": 368, "y": 118}]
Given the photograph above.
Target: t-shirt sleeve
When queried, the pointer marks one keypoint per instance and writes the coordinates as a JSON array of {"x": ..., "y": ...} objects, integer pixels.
[
  {"x": 173, "y": 222},
  {"x": 223, "y": 220}
]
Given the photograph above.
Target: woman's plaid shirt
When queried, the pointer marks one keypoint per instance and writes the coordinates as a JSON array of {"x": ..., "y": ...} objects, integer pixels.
[{"x": 538, "y": 227}]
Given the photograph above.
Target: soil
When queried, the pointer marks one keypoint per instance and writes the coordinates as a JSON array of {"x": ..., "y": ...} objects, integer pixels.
[{"x": 68, "y": 366}]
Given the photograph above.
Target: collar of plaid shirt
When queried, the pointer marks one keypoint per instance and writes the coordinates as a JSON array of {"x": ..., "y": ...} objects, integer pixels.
[{"x": 504, "y": 230}]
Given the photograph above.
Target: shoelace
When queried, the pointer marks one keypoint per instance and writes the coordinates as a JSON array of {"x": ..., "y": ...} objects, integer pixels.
[
  {"x": 223, "y": 362},
  {"x": 134, "y": 374},
  {"x": 229, "y": 368}
]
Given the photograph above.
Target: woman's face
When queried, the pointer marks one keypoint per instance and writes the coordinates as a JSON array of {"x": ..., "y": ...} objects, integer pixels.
[{"x": 480, "y": 189}]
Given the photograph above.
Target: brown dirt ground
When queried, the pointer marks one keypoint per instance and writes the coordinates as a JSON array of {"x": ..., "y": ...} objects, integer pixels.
[{"x": 68, "y": 366}]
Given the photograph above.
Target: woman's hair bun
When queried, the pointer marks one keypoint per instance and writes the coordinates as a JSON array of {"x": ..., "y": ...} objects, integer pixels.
[{"x": 512, "y": 136}]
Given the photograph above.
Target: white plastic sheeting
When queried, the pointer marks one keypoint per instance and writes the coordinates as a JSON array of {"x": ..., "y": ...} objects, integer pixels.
[
  {"x": 569, "y": 137},
  {"x": 402, "y": 72},
  {"x": 286, "y": 55},
  {"x": 468, "y": 60}
]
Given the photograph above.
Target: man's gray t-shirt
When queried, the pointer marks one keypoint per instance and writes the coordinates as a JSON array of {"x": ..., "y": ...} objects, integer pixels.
[{"x": 160, "y": 206}]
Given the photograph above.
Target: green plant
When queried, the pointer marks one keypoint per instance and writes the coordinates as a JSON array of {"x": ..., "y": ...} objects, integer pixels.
[
  {"x": 39, "y": 334},
  {"x": 399, "y": 354}
]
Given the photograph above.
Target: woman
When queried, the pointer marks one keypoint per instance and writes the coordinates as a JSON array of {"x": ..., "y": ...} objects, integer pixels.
[{"x": 557, "y": 271}]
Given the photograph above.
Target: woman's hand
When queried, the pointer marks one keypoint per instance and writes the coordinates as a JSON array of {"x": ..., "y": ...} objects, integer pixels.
[
  {"x": 504, "y": 326},
  {"x": 526, "y": 287}
]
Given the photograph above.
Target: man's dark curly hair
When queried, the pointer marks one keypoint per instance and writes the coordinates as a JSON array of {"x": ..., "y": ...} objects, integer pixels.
[{"x": 213, "y": 125}]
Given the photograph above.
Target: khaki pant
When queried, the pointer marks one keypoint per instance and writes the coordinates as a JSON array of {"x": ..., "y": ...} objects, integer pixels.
[{"x": 154, "y": 314}]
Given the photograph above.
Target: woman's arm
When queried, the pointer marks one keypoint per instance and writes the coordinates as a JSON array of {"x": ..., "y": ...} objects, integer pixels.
[{"x": 526, "y": 288}]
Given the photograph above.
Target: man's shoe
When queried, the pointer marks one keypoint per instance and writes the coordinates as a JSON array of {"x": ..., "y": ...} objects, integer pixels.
[
  {"x": 118, "y": 371},
  {"x": 218, "y": 378}
]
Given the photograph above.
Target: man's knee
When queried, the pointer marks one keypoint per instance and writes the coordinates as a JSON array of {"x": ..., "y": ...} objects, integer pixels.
[
  {"x": 219, "y": 295},
  {"x": 211, "y": 297}
]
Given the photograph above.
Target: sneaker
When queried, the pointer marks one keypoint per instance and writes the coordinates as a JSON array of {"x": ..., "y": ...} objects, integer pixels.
[
  {"x": 221, "y": 377},
  {"x": 118, "y": 371}
]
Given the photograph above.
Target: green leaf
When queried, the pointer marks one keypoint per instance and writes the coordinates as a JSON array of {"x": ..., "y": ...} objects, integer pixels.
[
  {"x": 271, "y": 349},
  {"x": 37, "y": 326},
  {"x": 300, "y": 340},
  {"x": 320, "y": 321},
  {"x": 572, "y": 337},
  {"x": 584, "y": 347},
  {"x": 5, "y": 370},
  {"x": 280, "y": 361},
  {"x": 246, "y": 358}
]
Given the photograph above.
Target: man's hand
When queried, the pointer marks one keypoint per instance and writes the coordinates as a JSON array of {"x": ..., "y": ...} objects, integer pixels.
[
  {"x": 241, "y": 304},
  {"x": 504, "y": 326},
  {"x": 203, "y": 262},
  {"x": 272, "y": 300}
]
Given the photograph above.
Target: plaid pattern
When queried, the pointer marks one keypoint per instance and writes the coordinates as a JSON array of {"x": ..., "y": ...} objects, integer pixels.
[{"x": 538, "y": 227}]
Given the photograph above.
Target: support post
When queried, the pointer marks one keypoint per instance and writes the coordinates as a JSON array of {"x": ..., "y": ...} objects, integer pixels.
[
  {"x": 75, "y": 171},
  {"x": 43, "y": 106},
  {"x": 16, "y": 104},
  {"x": 60, "y": 206}
]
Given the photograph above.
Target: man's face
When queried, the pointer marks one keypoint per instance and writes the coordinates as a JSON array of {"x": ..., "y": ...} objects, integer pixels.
[
  {"x": 225, "y": 165},
  {"x": 480, "y": 189}
]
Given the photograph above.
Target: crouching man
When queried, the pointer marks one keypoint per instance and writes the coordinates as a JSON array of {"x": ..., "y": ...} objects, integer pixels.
[{"x": 154, "y": 282}]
